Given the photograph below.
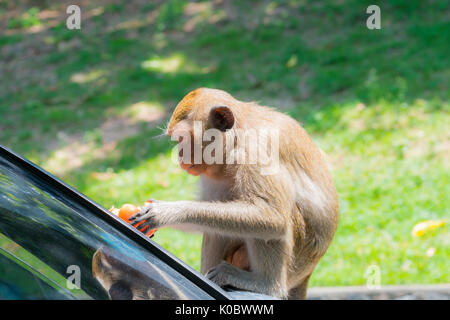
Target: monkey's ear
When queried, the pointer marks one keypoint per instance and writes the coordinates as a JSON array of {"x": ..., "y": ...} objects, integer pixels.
[{"x": 221, "y": 118}]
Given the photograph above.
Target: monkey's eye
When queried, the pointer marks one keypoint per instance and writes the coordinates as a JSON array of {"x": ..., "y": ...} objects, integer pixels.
[{"x": 120, "y": 291}]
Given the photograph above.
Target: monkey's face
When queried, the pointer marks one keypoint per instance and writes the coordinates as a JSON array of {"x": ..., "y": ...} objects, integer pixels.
[
  {"x": 120, "y": 281},
  {"x": 199, "y": 126},
  {"x": 183, "y": 133},
  {"x": 123, "y": 282}
]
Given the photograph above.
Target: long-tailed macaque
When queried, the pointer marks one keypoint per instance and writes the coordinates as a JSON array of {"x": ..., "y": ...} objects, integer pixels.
[
  {"x": 263, "y": 230},
  {"x": 132, "y": 281}
]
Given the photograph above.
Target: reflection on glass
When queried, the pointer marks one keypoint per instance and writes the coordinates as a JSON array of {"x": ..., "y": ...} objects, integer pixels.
[
  {"x": 20, "y": 281},
  {"x": 17, "y": 263},
  {"x": 58, "y": 233}
]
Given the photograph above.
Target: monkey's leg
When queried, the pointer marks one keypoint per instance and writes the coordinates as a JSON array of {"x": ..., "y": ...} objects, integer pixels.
[
  {"x": 299, "y": 292},
  {"x": 226, "y": 274},
  {"x": 213, "y": 250},
  {"x": 268, "y": 270}
]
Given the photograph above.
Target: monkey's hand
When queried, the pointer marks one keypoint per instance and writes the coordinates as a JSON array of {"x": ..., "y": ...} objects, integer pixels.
[
  {"x": 155, "y": 215},
  {"x": 224, "y": 274}
]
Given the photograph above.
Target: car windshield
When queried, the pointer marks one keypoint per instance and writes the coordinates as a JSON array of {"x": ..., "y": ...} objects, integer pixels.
[{"x": 62, "y": 250}]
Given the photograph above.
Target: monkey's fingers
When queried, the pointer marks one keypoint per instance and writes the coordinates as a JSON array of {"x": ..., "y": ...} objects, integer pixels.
[
  {"x": 212, "y": 273},
  {"x": 214, "y": 276},
  {"x": 136, "y": 223},
  {"x": 138, "y": 216},
  {"x": 142, "y": 227},
  {"x": 133, "y": 220}
]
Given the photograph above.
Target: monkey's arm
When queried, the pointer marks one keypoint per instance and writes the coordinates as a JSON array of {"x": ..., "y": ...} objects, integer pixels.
[{"x": 228, "y": 218}]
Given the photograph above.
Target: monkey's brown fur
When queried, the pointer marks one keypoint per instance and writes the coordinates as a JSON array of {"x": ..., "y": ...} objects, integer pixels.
[
  {"x": 133, "y": 280},
  {"x": 262, "y": 233}
]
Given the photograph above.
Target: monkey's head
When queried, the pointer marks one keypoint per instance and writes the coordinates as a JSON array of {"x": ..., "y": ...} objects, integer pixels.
[
  {"x": 121, "y": 281},
  {"x": 130, "y": 281},
  {"x": 202, "y": 118}
]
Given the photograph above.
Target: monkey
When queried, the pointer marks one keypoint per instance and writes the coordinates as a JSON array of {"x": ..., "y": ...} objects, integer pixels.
[
  {"x": 262, "y": 232},
  {"x": 132, "y": 281},
  {"x": 237, "y": 256}
]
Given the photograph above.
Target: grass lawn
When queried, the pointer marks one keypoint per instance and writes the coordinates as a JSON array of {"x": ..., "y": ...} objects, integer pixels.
[{"x": 88, "y": 104}]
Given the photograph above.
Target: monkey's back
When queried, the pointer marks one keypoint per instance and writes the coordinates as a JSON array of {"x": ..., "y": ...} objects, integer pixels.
[{"x": 314, "y": 207}]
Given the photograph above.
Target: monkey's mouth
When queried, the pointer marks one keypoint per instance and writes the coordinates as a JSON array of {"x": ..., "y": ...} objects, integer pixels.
[
  {"x": 186, "y": 166},
  {"x": 194, "y": 169}
]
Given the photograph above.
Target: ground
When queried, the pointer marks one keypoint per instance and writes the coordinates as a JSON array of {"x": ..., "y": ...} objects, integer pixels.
[{"x": 88, "y": 105}]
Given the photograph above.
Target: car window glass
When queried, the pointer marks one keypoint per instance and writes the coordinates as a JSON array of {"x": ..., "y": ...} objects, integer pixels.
[
  {"x": 64, "y": 235},
  {"x": 22, "y": 257},
  {"x": 20, "y": 281}
]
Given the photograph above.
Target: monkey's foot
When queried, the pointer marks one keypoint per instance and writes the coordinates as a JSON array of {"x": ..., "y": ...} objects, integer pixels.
[{"x": 223, "y": 274}]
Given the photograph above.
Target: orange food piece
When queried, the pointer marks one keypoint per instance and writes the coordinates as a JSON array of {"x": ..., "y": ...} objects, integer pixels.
[
  {"x": 150, "y": 233},
  {"x": 129, "y": 210},
  {"x": 114, "y": 211}
]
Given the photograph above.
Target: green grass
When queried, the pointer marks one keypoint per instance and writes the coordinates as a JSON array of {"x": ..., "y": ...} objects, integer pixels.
[{"x": 376, "y": 101}]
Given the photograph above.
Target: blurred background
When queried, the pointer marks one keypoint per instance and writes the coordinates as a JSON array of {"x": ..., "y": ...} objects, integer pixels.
[{"x": 87, "y": 104}]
